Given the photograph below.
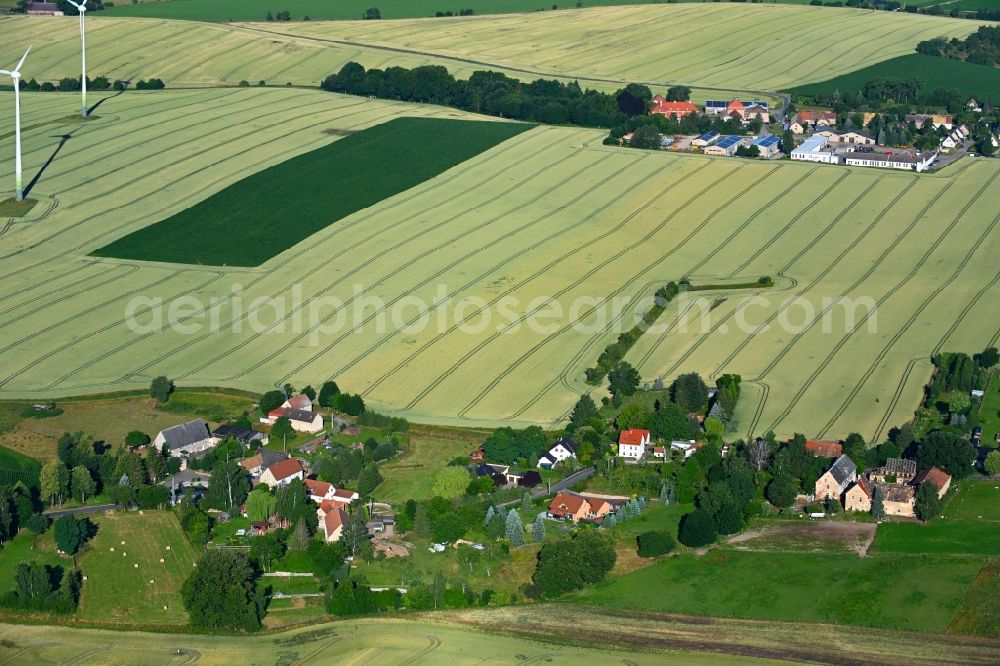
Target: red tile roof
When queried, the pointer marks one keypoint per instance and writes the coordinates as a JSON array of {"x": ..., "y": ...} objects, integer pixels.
[
  {"x": 566, "y": 504},
  {"x": 277, "y": 412},
  {"x": 334, "y": 519},
  {"x": 936, "y": 476},
  {"x": 633, "y": 436},
  {"x": 825, "y": 447},
  {"x": 285, "y": 468},
  {"x": 673, "y": 108},
  {"x": 318, "y": 488},
  {"x": 344, "y": 494},
  {"x": 735, "y": 105},
  {"x": 300, "y": 401},
  {"x": 866, "y": 487}
]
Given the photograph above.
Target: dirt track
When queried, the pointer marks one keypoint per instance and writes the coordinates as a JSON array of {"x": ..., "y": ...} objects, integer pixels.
[{"x": 808, "y": 536}]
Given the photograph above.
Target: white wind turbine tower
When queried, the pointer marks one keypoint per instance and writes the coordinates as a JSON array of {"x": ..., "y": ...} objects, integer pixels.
[
  {"x": 15, "y": 74},
  {"x": 82, "y": 8}
]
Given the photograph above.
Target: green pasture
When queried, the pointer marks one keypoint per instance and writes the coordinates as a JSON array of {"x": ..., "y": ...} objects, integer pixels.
[
  {"x": 969, "y": 79},
  {"x": 939, "y": 537},
  {"x": 118, "y": 591},
  {"x": 979, "y": 613},
  {"x": 989, "y": 413},
  {"x": 919, "y": 593},
  {"x": 28, "y": 547},
  {"x": 250, "y": 222},
  {"x": 410, "y": 475}
]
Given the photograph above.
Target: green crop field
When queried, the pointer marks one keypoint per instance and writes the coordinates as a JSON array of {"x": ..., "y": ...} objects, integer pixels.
[
  {"x": 920, "y": 593},
  {"x": 116, "y": 590},
  {"x": 550, "y": 212},
  {"x": 186, "y": 54},
  {"x": 763, "y": 46},
  {"x": 268, "y": 212},
  {"x": 969, "y": 79},
  {"x": 15, "y": 467}
]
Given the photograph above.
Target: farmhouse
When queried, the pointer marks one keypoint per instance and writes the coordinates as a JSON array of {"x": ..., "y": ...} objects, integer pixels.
[
  {"x": 899, "y": 500},
  {"x": 769, "y": 146},
  {"x": 715, "y": 108},
  {"x": 332, "y": 519},
  {"x": 859, "y": 496},
  {"x": 824, "y": 448},
  {"x": 805, "y": 119},
  {"x": 758, "y": 111},
  {"x": 256, "y": 464},
  {"x": 816, "y": 149},
  {"x": 706, "y": 139},
  {"x": 301, "y": 420},
  {"x": 632, "y": 443},
  {"x": 188, "y": 478},
  {"x": 726, "y": 146},
  {"x": 835, "y": 480},
  {"x": 685, "y": 446},
  {"x": 895, "y": 470},
  {"x": 659, "y": 452},
  {"x": 244, "y": 436},
  {"x": 735, "y": 110},
  {"x": 300, "y": 401},
  {"x": 497, "y": 472},
  {"x": 664, "y": 108},
  {"x": 321, "y": 491},
  {"x": 185, "y": 440},
  {"x": 573, "y": 507},
  {"x": 282, "y": 473},
  {"x": 562, "y": 450},
  {"x": 940, "y": 478},
  {"x": 919, "y": 162}
]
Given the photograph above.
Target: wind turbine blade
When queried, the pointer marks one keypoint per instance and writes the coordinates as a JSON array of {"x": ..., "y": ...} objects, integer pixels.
[
  {"x": 21, "y": 61},
  {"x": 4, "y": 71}
]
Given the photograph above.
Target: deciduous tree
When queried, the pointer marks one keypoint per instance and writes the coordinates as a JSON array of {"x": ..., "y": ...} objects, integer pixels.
[{"x": 221, "y": 593}]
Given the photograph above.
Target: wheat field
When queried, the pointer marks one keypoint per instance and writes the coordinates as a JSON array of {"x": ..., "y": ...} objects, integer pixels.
[{"x": 549, "y": 214}]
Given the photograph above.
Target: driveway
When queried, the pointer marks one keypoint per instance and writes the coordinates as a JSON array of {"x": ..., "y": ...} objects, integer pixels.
[{"x": 100, "y": 508}]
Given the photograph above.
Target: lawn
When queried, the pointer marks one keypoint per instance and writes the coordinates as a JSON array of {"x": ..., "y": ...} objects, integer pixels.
[
  {"x": 410, "y": 475},
  {"x": 989, "y": 412},
  {"x": 979, "y": 613},
  {"x": 213, "y": 407},
  {"x": 116, "y": 590},
  {"x": 974, "y": 500},
  {"x": 28, "y": 547},
  {"x": 919, "y": 593},
  {"x": 969, "y": 79},
  {"x": 249, "y": 222},
  {"x": 940, "y": 537}
]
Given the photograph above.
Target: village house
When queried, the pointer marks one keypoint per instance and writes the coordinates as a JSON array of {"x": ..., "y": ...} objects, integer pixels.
[
  {"x": 43, "y": 9},
  {"x": 384, "y": 526},
  {"x": 562, "y": 450},
  {"x": 300, "y": 419},
  {"x": 332, "y": 519},
  {"x": 187, "y": 440},
  {"x": 321, "y": 491},
  {"x": 664, "y": 108},
  {"x": 264, "y": 458},
  {"x": 300, "y": 401},
  {"x": 805, "y": 119},
  {"x": 940, "y": 478},
  {"x": 573, "y": 507},
  {"x": 659, "y": 452},
  {"x": 757, "y": 111},
  {"x": 973, "y": 105},
  {"x": 735, "y": 110},
  {"x": 282, "y": 473},
  {"x": 833, "y": 482},
  {"x": 895, "y": 470},
  {"x": 632, "y": 443},
  {"x": 245, "y": 436},
  {"x": 899, "y": 500},
  {"x": 685, "y": 446},
  {"x": 856, "y": 137},
  {"x": 477, "y": 456},
  {"x": 825, "y": 448},
  {"x": 859, "y": 496},
  {"x": 497, "y": 472}
]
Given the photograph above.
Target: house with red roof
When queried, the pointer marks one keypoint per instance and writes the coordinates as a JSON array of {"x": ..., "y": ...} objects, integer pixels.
[
  {"x": 332, "y": 519},
  {"x": 632, "y": 443},
  {"x": 664, "y": 108},
  {"x": 859, "y": 496},
  {"x": 301, "y": 420},
  {"x": 282, "y": 473},
  {"x": 825, "y": 448},
  {"x": 300, "y": 401},
  {"x": 940, "y": 478}
]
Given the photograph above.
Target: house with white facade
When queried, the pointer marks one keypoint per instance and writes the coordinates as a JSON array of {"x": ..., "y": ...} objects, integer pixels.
[
  {"x": 816, "y": 149},
  {"x": 185, "y": 440},
  {"x": 632, "y": 443},
  {"x": 562, "y": 450}
]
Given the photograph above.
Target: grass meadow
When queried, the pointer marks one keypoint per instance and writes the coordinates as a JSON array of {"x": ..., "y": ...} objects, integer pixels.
[
  {"x": 969, "y": 79},
  {"x": 550, "y": 212},
  {"x": 989, "y": 412},
  {"x": 410, "y": 475},
  {"x": 248, "y": 222},
  {"x": 118, "y": 591}
]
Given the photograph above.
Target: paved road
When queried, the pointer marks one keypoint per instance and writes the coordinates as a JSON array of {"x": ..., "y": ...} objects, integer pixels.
[
  {"x": 542, "y": 491},
  {"x": 59, "y": 513}
]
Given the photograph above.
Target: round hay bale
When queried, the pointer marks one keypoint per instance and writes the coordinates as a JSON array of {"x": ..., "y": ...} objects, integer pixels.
[
  {"x": 168, "y": 547},
  {"x": 123, "y": 543},
  {"x": 112, "y": 549},
  {"x": 136, "y": 565},
  {"x": 124, "y": 554},
  {"x": 161, "y": 560}
]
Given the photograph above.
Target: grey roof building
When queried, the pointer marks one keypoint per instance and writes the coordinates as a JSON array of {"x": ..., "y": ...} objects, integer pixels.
[{"x": 185, "y": 439}]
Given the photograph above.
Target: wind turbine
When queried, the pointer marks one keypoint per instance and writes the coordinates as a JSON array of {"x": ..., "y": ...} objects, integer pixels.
[
  {"x": 15, "y": 74},
  {"x": 82, "y": 8}
]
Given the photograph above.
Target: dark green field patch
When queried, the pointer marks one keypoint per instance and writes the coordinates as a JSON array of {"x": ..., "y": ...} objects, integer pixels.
[
  {"x": 263, "y": 215},
  {"x": 16, "y": 467},
  {"x": 968, "y": 79}
]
